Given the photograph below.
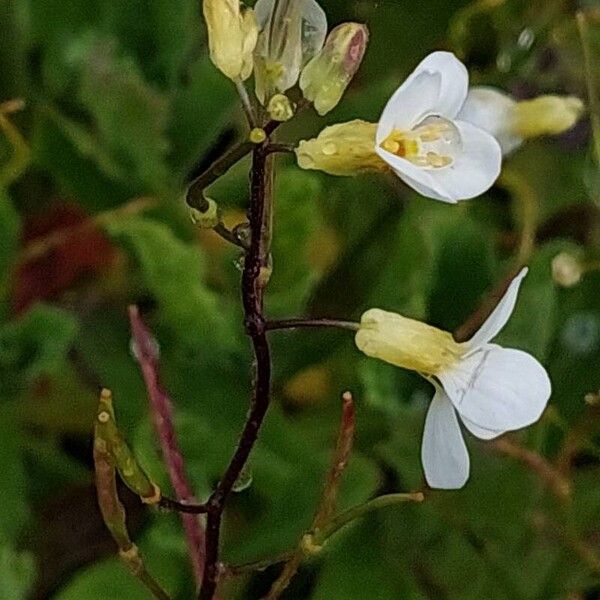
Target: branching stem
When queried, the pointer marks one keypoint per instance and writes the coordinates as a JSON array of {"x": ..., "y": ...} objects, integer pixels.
[{"x": 252, "y": 299}]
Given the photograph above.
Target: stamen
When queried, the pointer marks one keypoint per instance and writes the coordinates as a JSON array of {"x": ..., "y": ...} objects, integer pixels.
[{"x": 433, "y": 143}]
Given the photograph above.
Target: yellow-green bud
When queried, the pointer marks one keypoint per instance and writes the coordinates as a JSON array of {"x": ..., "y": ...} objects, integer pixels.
[
  {"x": 280, "y": 108},
  {"x": 326, "y": 77},
  {"x": 342, "y": 149},
  {"x": 257, "y": 135},
  {"x": 206, "y": 219},
  {"x": 232, "y": 36},
  {"x": 545, "y": 115},
  {"x": 406, "y": 343}
]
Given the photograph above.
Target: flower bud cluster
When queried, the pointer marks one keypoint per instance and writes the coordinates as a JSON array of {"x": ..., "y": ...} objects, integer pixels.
[{"x": 284, "y": 42}]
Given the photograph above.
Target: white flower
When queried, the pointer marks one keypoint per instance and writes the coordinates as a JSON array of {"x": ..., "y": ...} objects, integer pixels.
[
  {"x": 291, "y": 33},
  {"x": 421, "y": 138},
  {"x": 492, "y": 389},
  {"x": 512, "y": 122}
]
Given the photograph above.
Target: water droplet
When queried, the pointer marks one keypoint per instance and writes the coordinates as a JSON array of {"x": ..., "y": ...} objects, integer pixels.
[
  {"x": 526, "y": 38},
  {"x": 244, "y": 480},
  {"x": 581, "y": 334},
  {"x": 329, "y": 149},
  {"x": 504, "y": 62},
  {"x": 239, "y": 262},
  {"x": 135, "y": 351}
]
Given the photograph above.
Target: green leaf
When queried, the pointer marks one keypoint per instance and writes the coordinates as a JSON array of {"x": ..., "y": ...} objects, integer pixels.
[
  {"x": 17, "y": 573},
  {"x": 130, "y": 117},
  {"x": 35, "y": 345},
  {"x": 15, "y": 510},
  {"x": 464, "y": 269},
  {"x": 111, "y": 579},
  {"x": 9, "y": 233},
  {"x": 173, "y": 272},
  {"x": 200, "y": 110},
  {"x": 295, "y": 225},
  {"x": 355, "y": 564}
]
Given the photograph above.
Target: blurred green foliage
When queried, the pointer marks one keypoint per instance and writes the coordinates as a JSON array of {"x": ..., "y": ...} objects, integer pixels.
[{"x": 122, "y": 103}]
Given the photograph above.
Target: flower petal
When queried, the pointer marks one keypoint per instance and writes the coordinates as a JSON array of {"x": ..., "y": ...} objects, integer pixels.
[
  {"x": 498, "y": 389},
  {"x": 500, "y": 315},
  {"x": 481, "y": 432},
  {"x": 444, "y": 453},
  {"x": 438, "y": 86},
  {"x": 476, "y": 166},
  {"x": 491, "y": 110}
]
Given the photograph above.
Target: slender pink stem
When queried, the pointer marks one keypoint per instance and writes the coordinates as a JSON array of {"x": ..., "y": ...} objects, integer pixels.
[{"x": 161, "y": 408}]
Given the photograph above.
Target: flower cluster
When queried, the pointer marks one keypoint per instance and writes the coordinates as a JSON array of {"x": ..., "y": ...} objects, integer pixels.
[
  {"x": 285, "y": 42},
  {"x": 443, "y": 139}
]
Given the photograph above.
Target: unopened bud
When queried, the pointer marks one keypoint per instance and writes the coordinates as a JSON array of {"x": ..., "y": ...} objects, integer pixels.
[
  {"x": 206, "y": 219},
  {"x": 326, "y": 77},
  {"x": 291, "y": 33},
  {"x": 512, "y": 122},
  {"x": 566, "y": 270},
  {"x": 257, "y": 135},
  {"x": 232, "y": 36},
  {"x": 342, "y": 149},
  {"x": 546, "y": 115},
  {"x": 280, "y": 108}
]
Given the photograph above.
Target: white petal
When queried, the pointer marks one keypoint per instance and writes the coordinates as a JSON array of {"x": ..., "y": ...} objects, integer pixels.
[
  {"x": 444, "y": 453},
  {"x": 491, "y": 110},
  {"x": 499, "y": 389},
  {"x": 262, "y": 10},
  {"x": 481, "y": 432},
  {"x": 476, "y": 166},
  {"x": 422, "y": 180},
  {"x": 438, "y": 86},
  {"x": 314, "y": 29},
  {"x": 500, "y": 315}
]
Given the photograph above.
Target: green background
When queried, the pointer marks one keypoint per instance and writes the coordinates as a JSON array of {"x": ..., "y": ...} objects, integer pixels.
[{"x": 122, "y": 104}]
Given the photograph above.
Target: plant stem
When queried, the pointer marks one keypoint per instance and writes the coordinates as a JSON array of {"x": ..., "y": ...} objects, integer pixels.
[
  {"x": 328, "y": 500},
  {"x": 252, "y": 299},
  {"x": 310, "y": 323},
  {"x": 195, "y": 194},
  {"x": 356, "y": 512},
  {"x": 161, "y": 409},
  {"x": 182, "y": 507},
  {"x": 246, "y": 103}
]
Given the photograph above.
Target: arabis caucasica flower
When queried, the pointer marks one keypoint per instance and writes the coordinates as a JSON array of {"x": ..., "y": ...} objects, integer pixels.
[
  {"x": 512, "y": 122},
  {"x": 492, "y": 389},
  {"x": 429, "y": 148},
  {"x": 325, "y": 78},
  {"x": 232, "y": 36},
  {"x": 291, "y": 33},
  {"x": 418, "y": 136}
]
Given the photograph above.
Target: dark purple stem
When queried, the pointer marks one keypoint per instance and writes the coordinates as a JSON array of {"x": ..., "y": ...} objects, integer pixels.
[
  {"x": 162, "y": 413},
  {"x": 252, "y": 299}
]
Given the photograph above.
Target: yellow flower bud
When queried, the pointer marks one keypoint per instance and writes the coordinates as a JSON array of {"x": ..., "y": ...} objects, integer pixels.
[
  {"x": 342, "y": 149},
  {"x": 280, "y": 108},
  {"x": 545, "y": 115},
  {"x": 406, "y": 343},
  {"x": 208, "y": 219},
  {"x": 232, "y": 36},
  {"x": 326, "y": 77}
]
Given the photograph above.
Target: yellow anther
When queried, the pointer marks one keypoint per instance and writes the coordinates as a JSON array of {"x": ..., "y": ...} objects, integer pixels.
[{"x": 428, "y": 145}]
